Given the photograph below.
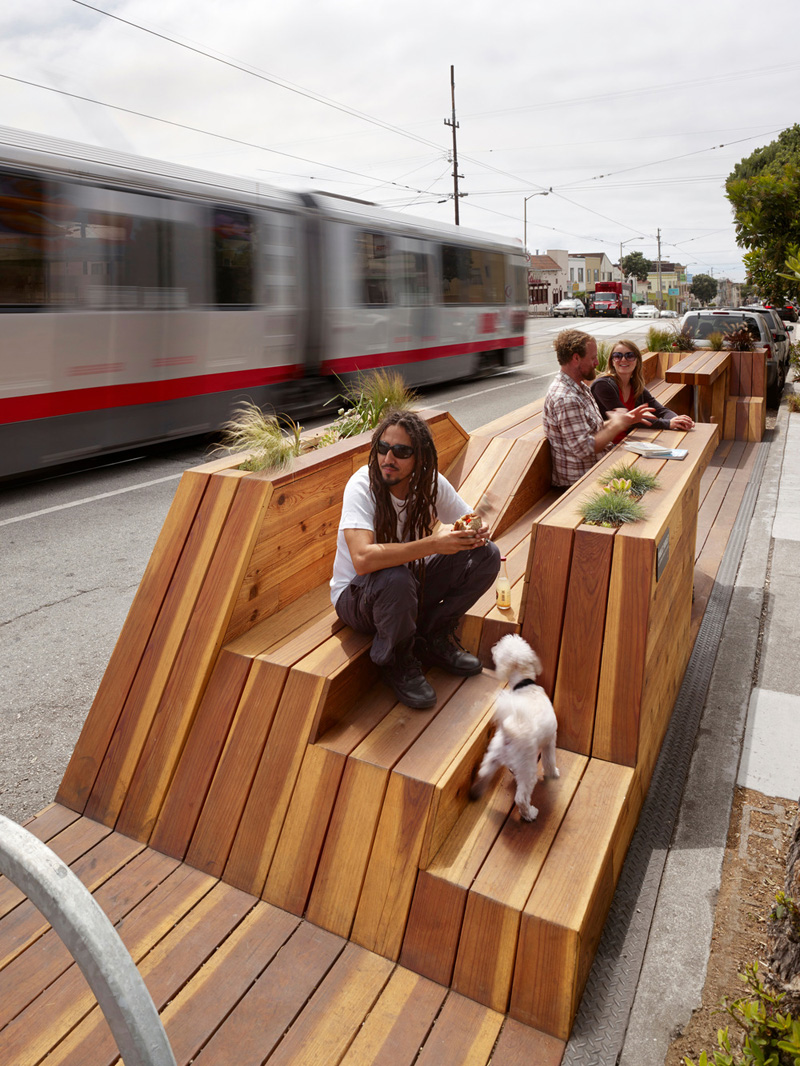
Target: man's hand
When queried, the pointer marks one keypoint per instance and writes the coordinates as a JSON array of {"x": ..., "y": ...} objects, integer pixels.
[{"x": 448, "y": 541}]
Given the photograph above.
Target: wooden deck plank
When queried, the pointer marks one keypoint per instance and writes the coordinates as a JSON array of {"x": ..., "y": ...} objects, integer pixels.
[
  {"x": 328, "y": 1025},
  {"x": 75, "y": 839},
  {"x": 39, "y": 1028},
  {"x": 487, "y": 948},
  {"x": 101, "y": 722},
  {"x": 25, "y": 924},
  {"x": 22, "y": 980},
  {"x": 250, "y": 1033},
  {"x": 465, "y": 1032},
  {"x": 167, "y": 968},
  {"x": 398, "y": 1023},
  {"x": 520, "y": 1045}
]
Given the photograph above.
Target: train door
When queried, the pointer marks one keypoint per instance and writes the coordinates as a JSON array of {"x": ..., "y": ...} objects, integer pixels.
[{"x": 415, "y": 329}]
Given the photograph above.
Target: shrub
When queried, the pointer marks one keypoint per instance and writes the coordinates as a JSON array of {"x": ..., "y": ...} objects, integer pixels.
[
  {"x": 740, "y": 340},
  {"x": 716, "y": 341},
  {"x": 770, "y": 1037},
  {"x": 366, "y": 402},
  {"x": 640, "y": 480},
  {"x": 610, "y": 509},
  {"x": 603, "y": 352},
  {"x": 659, "y": 339},
  {"x": 273, "y": 440},
  {"x": 682, "y": 342}
]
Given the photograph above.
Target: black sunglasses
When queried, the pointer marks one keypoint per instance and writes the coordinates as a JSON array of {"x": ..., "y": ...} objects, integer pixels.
[
  {"x": 399, "y": 451},
  {"x": 623, "y": 355}
]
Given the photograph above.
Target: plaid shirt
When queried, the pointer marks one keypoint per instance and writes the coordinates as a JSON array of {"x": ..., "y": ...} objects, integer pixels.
[{"x": 571, "y": 420}]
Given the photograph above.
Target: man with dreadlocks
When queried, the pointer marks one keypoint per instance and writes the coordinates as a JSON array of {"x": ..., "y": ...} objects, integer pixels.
[{"x": 393, "y": 576}]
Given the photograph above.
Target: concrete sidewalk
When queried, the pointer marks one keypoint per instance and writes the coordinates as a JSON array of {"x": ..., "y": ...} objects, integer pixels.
[{"x": 741, "y": 741}]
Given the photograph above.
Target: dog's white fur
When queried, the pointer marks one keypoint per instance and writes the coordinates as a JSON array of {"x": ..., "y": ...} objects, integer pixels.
[{"x": 526, "y": 725}]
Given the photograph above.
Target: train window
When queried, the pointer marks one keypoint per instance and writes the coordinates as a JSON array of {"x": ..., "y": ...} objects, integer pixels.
[
  {"x": 472, "y": 276},
  {"x": 234, "y": 240},
  {"x": 372, "y": 256},
  {"x": 412, "y": 284},
  {"x": 25, "y": 230}
]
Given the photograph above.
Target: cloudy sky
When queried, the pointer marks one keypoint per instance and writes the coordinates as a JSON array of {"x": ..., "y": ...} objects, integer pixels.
[{"x": 634, "y": 114}]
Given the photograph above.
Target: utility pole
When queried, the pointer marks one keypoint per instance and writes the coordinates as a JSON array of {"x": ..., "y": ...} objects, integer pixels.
[
  {"x": 452, "y": 122},
  {"x": 660, "y": 293}
]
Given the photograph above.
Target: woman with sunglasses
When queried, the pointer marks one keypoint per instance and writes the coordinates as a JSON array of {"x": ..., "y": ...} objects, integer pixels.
[{"x": 623, "y": 386}]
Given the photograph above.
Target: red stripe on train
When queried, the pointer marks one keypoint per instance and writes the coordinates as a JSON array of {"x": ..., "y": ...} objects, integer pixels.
[
  {"x": 354, "y": 363},
  {"x": 99, "y": 398}
]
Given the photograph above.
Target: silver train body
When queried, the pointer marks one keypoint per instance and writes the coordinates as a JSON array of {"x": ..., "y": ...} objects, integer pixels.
[{"x": 140, "y": 301}]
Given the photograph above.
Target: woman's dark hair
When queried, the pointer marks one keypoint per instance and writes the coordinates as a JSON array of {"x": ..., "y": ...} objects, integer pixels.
[
  {"x": 637, "y": 377},
  {"x": 422, "y": 488}
]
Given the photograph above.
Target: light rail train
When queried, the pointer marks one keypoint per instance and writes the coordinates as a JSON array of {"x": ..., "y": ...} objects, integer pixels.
[{"x": 140, "y": 301}]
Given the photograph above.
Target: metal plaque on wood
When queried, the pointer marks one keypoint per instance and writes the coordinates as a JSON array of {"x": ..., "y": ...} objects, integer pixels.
[{"x": 662, "y": 554}]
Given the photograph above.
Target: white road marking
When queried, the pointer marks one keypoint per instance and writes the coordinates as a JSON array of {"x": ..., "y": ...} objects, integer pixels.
[{"x": 89, "y": 499}]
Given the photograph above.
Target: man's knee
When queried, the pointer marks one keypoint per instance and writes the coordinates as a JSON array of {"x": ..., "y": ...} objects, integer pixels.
[{"x": 396, "y": 582}]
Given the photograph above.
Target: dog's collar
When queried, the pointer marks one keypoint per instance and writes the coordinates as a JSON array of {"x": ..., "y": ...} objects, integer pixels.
[{"x": 525, "y": 681}]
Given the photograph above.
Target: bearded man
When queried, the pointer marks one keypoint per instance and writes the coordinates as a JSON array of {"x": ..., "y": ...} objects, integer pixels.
[{"x": 395, "y": 577}]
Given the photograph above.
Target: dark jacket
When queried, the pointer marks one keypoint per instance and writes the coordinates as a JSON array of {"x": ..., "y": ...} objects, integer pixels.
[{"x": 607, "y": 397}]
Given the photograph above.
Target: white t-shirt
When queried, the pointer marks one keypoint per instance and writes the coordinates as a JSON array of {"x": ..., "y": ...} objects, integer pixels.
[{"x": 358, "y": 512}]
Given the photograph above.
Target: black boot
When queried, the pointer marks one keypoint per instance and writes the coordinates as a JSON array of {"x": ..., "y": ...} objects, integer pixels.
[
  {"x": 443, "y": 648},
  {"x": 405, "y": 677}
]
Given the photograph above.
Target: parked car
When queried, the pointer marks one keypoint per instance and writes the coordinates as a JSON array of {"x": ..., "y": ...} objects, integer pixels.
[
  {"x": 788, "y": 312},
  {"x": 569, "y": 309},
  {"x": 777, "y": 327},
  {"x": 668, "y": 314},
  {"x": 645, "y": 311},
  {"x": 701, "y": 324}
]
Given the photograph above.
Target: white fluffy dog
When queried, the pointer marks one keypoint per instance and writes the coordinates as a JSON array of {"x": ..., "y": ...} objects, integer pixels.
[{"x": 526, "y": 724}]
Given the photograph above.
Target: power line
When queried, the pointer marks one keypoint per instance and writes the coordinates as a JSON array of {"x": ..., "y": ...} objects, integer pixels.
[
  {"x": 196, "y": 129},
  {"x": 272, "y": 79}
]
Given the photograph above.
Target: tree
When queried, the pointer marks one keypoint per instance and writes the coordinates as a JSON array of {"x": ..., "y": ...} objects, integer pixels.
[
  {"x": 764, "y": 190},
  {"x": 634, "y": 265},
  {"x": 704, "y": 287}
]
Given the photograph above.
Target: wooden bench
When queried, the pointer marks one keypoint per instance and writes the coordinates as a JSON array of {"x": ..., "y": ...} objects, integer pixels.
[
  {"x": 241, "y": 745},
  {"x": 708, "y": 372}
]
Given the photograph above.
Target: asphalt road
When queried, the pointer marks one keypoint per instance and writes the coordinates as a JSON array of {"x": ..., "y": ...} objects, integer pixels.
[{"x": 73, "y": 550}]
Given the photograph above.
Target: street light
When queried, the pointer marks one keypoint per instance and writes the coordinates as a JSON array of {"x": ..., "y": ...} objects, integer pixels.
[
  {"x": 544, "y": 192},
  {"x": 622, "y": 245}
]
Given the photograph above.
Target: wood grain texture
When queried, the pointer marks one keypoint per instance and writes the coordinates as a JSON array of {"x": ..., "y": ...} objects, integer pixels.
[
  {"x": 157, "y": 663},
  {"x": 440, "y": 896},
  {"x": 564, "y": 916},
  {"x": 575, "y": 697},
  {"x": 236, "y": 769},
  {"x": 98, "y": 729},
  {"x": 488, "y": 943}
]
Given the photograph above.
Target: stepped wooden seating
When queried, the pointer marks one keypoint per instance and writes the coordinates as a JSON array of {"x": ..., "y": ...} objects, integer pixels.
[{"x": 248, "y": 799}]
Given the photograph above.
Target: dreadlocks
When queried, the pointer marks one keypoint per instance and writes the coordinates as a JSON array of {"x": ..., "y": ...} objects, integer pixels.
[{"x": 422, "y": 488}]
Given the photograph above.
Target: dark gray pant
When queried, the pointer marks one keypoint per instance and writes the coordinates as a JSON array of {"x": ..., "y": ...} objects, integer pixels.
[{"x": 388, "y": 602}]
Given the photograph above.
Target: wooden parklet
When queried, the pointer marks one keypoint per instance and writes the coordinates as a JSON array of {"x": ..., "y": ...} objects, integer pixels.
[{"x": 241, "y": 741}]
